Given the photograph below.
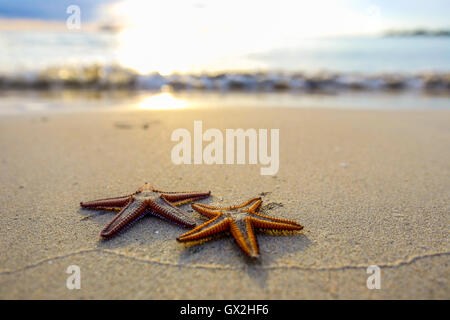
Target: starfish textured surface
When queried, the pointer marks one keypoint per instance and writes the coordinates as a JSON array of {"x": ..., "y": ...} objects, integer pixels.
[
  {"x": 146, "y": 200},
  {"x": 240, "y": 221}
]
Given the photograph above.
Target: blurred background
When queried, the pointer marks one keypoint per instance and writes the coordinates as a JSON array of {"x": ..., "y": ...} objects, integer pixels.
[{"x": 65, "y": 55}]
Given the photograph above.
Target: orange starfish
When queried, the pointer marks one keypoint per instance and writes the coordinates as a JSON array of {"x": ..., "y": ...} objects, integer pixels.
[{"x": 239, "y": 221}]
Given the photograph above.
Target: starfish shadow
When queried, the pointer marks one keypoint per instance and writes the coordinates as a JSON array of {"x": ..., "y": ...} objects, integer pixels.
[
  {"x": 257, "y": 270},
  {"x": 223, "y": 251}
]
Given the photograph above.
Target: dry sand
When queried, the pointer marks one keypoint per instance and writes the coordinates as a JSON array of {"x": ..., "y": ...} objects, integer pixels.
[{"x": 370, "y": 187}]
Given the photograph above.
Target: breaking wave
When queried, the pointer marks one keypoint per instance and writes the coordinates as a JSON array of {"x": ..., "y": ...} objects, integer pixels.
[{"x": 98, "y": 77}]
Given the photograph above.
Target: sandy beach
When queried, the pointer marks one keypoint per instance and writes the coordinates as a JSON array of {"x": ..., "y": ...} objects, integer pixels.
[{"x": 370, "y": 188}]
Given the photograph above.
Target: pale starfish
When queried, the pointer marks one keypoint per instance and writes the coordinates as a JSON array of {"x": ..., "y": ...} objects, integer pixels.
[
  {"x": 146, "y": 200},
  {"x": 239, "y": 221}
]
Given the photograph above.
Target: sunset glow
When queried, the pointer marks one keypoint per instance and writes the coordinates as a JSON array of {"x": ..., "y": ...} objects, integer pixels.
[{"x": 181, "y": 36}]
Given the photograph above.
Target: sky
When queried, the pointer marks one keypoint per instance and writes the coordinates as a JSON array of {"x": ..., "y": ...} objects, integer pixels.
[
  {"x": 398, "y": 14},
  {"x": 181, "y": 35},
  {"x": 48, "y": 9}
]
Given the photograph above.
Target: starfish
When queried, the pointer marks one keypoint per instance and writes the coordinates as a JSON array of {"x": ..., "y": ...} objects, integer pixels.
[
  {"x": 145, "y": 200},
  {"x": 240, "y": 221}
]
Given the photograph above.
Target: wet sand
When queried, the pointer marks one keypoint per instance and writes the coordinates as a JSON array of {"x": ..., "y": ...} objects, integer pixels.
[{"x": 370, "y": 188}]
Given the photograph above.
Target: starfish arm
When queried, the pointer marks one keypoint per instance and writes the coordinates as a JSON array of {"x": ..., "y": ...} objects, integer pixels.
[
  {"x": 202, "y": 226},
  {"x": 205, "y": 210},
  {"x": 251, "y": 236},
  {"x": 181, "y": 198},
  {"x": 134, "y": 210},
  {"x": 206, "y": 206},
  {"x": 205, "y": 230},
  {"x": 106, "y": 203},
  {"x": 273, "y": 219},
  {"x": 179, "y": 203},
  {"x": 177, "y": 192},
  {"x": 164, "y": 209},
  {"x": 246, "y": 203},
  {"x": 272, "y": 223},
  {"x": 244, "y": 236},
  {"x": 231, "y": 207},
  {"x": 255, "y": 207}
]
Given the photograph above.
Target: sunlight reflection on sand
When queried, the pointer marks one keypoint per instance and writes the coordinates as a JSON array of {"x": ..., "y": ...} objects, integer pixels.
[{"x": 162, "y": 101}]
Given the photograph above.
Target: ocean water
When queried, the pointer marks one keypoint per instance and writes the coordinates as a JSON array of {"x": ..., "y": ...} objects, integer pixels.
[
  {"x": 364, "y": 55},
  {"x": 31, "y": 51},
  {"x": 28, "y": 51},
  {"x": 346, "y": 72}
]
